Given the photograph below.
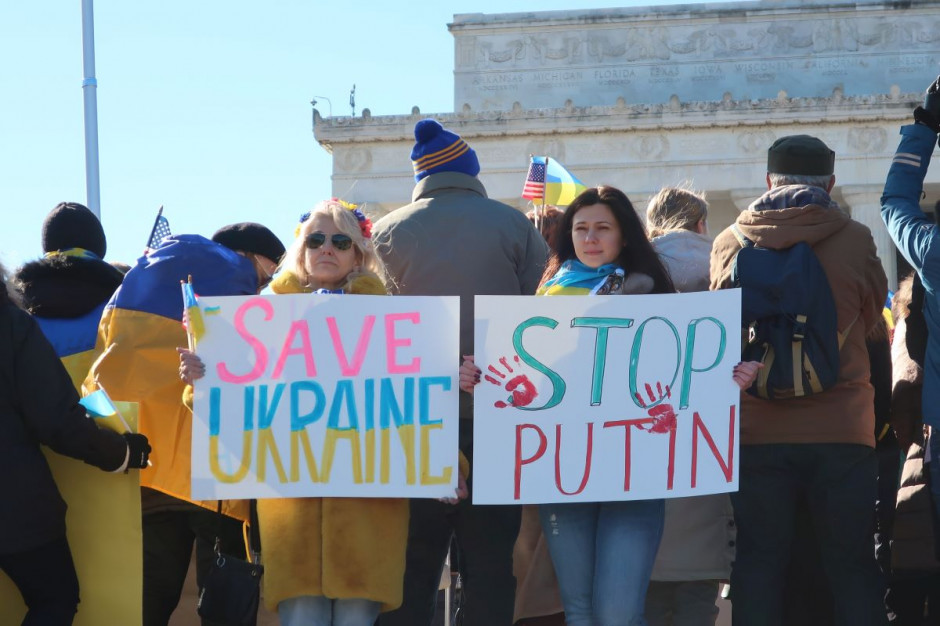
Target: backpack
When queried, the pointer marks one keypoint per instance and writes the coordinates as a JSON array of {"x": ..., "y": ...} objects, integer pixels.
[{"x": 789, "y": 314}]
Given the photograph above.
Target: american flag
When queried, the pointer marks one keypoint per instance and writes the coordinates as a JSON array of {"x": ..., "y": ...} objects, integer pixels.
[
  {"x": 161, "y": 230},
  {"x": 535, "y": 180}
]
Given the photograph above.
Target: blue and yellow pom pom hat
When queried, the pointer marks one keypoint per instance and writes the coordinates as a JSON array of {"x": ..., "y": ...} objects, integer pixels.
[{"x": 440, "y": 150}]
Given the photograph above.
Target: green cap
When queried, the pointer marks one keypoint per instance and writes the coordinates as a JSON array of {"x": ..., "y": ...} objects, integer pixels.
[{"x": 801, "y": 155}]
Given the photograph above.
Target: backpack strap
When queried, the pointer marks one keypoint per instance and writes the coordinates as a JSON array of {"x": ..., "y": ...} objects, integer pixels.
[
  {"x": 796, "y": 356},
  {"x": 744, "y": 241}
]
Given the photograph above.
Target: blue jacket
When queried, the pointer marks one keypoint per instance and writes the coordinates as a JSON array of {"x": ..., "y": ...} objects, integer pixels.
[{"x": 917, "y": 237}]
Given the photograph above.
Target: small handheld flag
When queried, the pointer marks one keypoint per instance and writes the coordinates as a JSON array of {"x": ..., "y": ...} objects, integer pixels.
[
  {"x": 192, "y": 315},
  {"x": 548, "y": 182},
  {"x": 99, "y": 406},
  {"x": 534, "y": 187},
  {"x": 160, "y": 230}
]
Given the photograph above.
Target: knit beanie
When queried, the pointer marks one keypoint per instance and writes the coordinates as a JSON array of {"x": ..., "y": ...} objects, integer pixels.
[
  {"x": 72, "y": 225},
  {"x": 440, "y": 150},
  {"x": 250, "y": 237},
  {"x": 800, "y": 155}
]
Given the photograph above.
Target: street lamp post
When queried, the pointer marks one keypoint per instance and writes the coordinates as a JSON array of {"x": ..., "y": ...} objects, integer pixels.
[{"x": 90, "y": 95}]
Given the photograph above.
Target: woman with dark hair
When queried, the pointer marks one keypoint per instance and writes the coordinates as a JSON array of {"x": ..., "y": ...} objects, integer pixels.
[
  {"x": 603, "y": 551},
  {"x": 632, "y": 256}
]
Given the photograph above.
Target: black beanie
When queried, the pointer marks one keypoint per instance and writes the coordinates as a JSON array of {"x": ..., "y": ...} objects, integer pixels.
[
  {"x": 250, "y": 237},
  {"x": 72, "y": 225},
  {"x": 800, "y": 155}
]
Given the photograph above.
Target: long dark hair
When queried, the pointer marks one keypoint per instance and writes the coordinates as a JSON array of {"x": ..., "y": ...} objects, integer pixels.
[{"x": 637, "y": 254}]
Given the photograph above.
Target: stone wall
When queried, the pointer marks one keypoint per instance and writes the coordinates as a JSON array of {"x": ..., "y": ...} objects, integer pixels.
[{"x": 716, "y": 140}]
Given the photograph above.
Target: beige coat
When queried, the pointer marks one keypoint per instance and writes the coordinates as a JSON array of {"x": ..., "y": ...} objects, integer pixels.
[
  {"x": 334, "y": 547},
  {"x": 699, "y": 533}
]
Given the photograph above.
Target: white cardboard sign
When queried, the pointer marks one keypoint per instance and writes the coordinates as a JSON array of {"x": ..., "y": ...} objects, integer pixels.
[
  {"x": 326, "y": 395},
  {"x": 590, "y": 399}
]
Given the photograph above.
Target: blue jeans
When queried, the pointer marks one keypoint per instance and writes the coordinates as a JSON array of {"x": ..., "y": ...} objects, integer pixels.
[
  {"x": 838, "y": 482},
  {"x": 323, "y": 611},
  {"x": 603, "y": 554}
]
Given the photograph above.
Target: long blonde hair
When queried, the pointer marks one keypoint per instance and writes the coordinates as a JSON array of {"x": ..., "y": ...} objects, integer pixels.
[
  {"x": 675, "y": 208},
  {"x": 367, "y": 264}
]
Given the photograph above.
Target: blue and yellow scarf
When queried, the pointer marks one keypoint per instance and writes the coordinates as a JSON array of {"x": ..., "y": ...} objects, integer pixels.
[{"x": 574, "y": 278}]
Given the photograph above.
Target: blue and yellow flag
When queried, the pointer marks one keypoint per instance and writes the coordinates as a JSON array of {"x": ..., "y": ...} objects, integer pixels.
[
  {"x": 548, "y": 182},
  {"x": 561, "y": 187},
  {"x": 192, "y": 315},
  {"x": 99, "y": 407},
  {"x": 887, "y": 314},
  {"x": 138, "y": 336},
  {"x": 103, "y": 518}
]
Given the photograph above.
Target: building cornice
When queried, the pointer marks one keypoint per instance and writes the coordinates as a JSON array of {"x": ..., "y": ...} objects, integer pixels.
[
  {"x": 470, "y": 22},
  {"x": 674, "y": 114}
]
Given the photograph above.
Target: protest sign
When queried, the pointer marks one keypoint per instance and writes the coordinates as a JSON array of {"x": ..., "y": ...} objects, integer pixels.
[
  {"x": 326, "y": 395},
  {"x": 590, "y": 399}
]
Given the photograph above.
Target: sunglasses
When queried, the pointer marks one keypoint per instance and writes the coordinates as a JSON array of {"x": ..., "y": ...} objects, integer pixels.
[{"x": 340, "y": 242}]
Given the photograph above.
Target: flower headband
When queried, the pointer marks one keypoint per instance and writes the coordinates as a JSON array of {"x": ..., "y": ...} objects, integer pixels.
[{"x": 365, "y": 224}]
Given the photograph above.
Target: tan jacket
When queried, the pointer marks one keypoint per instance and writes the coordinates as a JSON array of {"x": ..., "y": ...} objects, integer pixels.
[{"x": 845, "y": 412}]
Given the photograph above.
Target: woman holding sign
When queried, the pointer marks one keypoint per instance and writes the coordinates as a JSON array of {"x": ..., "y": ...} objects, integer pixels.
[
  {"x": 603, "y": 551},
  {"x": 329, "y": 561}
]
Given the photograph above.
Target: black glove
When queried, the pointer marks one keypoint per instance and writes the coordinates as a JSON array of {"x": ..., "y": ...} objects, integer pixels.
[
  {"x": 929, "y": 114},
  {"x": 139, "y": 449}
]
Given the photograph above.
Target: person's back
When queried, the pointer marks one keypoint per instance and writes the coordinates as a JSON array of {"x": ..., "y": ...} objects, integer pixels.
[
  {"x": 67, "y": 289},
  {"x": 39, "y": 405},
  {"x": 453, "y": 240},
  {"x": 138, "y": 337},
  {"x": 782, "y": 217},
  {"x": 818, "y": 446}
]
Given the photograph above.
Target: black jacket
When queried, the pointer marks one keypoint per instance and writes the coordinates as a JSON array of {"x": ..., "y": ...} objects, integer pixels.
[
  {"x": 66, "y": 287},
  {"x": 39, "y": 405}
]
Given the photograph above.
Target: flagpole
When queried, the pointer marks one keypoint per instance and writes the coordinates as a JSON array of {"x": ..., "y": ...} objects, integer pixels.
[
  {"x": 535, "y": 207},
  {"x": 90, "y": 94},
  {"x": 544, "y": 188}
]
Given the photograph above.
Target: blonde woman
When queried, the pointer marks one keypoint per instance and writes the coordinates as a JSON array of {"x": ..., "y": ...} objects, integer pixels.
[
  {"x": 676, "y": 220},
  {"x": 329, "y": 561}
]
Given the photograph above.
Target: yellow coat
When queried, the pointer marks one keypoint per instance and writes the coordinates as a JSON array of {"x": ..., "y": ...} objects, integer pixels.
[{"x": 334, "y": 547}]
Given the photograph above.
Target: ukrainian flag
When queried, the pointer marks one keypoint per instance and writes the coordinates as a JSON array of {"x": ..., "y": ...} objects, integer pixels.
[
  {"x": 138, "y": 336},
  {"x": 561, "y": 186},
  {"x": 103, "y": 517},
  {"x": 192, "y": 314}
]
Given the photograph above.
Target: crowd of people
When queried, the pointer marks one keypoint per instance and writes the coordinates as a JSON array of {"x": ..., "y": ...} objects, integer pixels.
[{"x": 827, "y": 526}]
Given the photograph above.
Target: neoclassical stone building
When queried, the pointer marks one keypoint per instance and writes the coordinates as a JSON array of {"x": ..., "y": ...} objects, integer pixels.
[{"x": 645, "y": 97}]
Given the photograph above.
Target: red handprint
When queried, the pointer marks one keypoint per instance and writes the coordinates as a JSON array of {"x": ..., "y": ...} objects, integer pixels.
[
  {"x": 522, "y": 389},
  {"x": 664, "y": 416}
]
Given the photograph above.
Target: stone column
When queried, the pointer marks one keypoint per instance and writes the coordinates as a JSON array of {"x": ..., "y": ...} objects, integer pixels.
[{"x": 864, "y": 204}]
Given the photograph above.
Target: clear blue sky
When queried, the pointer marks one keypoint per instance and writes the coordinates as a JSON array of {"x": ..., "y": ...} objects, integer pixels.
[{"x": 204, "y": 106}]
